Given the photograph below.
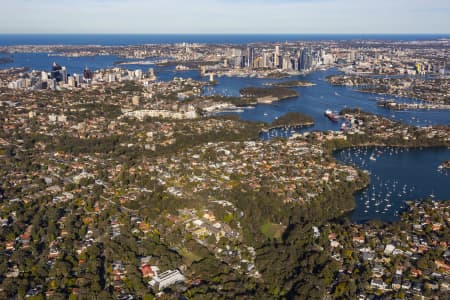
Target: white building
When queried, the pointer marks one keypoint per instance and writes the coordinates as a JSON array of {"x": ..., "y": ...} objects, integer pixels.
[
  {"x": 389, "y": 249},
  {"x": 138, "y": 74},
  {"x": 111, "y": 77},
  {"x": 44, "y": 76},
  {"x": 378, "y": 283},
  {"x": 166, "y": 279},
  {"x": 71, "y": 81},
  {"x": 166, "y": 114}
]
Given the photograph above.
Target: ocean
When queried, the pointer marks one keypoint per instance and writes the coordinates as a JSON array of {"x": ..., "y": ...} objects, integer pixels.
[{"x": 138, "y": 39}]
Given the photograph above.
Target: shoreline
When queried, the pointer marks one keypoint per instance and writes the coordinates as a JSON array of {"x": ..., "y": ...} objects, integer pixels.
[
  {"x": 292, "y": 84},
  {"x": 305, "y": 125}
]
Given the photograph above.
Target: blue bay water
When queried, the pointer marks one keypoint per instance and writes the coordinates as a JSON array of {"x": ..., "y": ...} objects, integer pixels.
[
  {"x": 397, "y": 175},
  {"x": 43, "y": 62},
  {"x": 316, "y": 99}
]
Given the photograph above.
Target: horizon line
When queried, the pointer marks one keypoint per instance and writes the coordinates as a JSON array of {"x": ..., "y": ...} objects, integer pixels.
[{"x": 213, "y": 33}]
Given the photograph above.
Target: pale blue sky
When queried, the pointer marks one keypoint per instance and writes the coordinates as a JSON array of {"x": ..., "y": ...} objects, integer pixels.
[{"x": 225, "y": 16}]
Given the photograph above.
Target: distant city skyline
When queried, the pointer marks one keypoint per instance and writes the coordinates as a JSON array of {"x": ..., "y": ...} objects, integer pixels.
[{"x": 226, "y": 16}]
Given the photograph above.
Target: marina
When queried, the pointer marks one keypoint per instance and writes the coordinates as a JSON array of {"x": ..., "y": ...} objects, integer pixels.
[{"x": 397, "y": 175}]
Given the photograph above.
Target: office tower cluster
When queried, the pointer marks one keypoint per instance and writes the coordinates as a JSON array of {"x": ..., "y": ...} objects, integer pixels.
[
  {"x": 56, "y": 78},
  {"x": 288, "y": 59},
  {"x": 59, "y": 78}
]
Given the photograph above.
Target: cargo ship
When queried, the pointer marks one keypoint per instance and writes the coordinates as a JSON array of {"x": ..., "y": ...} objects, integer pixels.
[{"x": 330, "y": 115}]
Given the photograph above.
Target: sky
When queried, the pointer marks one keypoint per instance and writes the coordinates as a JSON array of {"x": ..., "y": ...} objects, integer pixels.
[{"x": 225, "y": 16}]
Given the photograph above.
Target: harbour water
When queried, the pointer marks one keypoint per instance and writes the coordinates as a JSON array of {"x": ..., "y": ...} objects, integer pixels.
[
  {"x": 315, "y": 100},
  {"x": 43, "y": 62},
  {"x": 397, "y": 175}
]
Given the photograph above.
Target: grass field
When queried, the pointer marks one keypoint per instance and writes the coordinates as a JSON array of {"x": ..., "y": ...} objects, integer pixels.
[{"x": 272, "y": 231}]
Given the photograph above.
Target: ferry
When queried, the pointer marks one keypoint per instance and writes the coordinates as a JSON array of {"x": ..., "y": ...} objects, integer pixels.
[{"x": 330, "y": 115}]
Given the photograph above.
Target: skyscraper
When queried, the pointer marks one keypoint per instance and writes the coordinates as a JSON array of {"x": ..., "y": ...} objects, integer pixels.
[
  {"x": 44, "y": 76},
  {"x": 250, "y": 57},
  {"x": 265, "y": 60},
  {"x": 64, "y": 74},
  {"x": 305, "y": 61},
  {"x": 276, "y": 59},
  {"x": 243, "y": 61},
  {"x": 286, "y": 62},
  {"x": 56, "y": 73},
  {"x": 87, "y": 74}
]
